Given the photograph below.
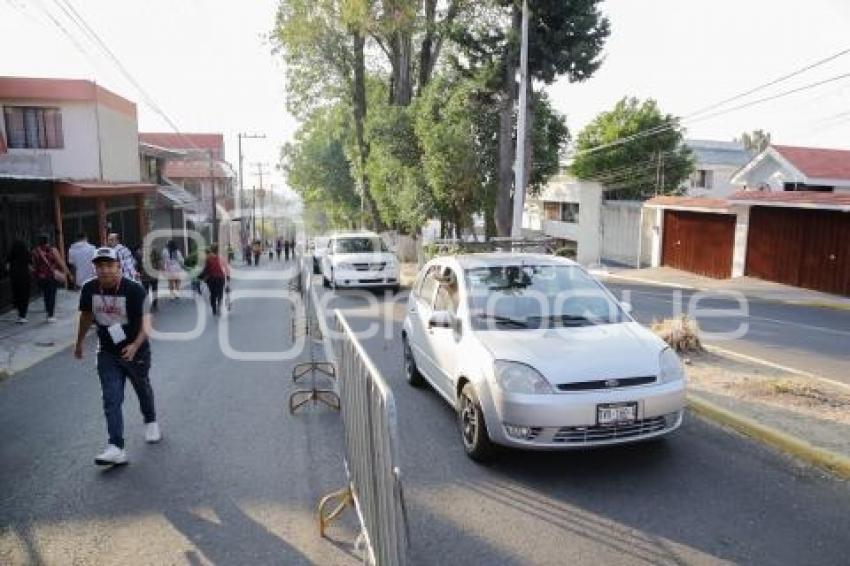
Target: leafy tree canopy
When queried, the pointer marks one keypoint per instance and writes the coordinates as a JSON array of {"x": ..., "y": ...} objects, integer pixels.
[{"x": 635, "y": 149}]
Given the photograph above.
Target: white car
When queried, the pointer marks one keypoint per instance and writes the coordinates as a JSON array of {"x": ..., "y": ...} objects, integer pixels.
[
  {"x": 359, "y": 259},
  {"x": 534, "y": 353}
]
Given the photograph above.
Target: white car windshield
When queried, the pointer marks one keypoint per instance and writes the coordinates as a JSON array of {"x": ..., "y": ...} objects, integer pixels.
[
  {"x": 510, "y": 297},
  {"x": 359, "y": 245}
]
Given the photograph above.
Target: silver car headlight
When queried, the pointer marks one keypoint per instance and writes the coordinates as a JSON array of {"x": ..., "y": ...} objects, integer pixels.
[
  {"x": 515, "y": 377},
  {"x": 671, "y": 368},
  {"x": 343, "y": 266}
]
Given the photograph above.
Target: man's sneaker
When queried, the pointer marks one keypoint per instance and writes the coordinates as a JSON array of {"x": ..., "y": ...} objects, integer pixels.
[
  {"x": 112, "y": 456},
  {"x": 152, "y": 433},
  {"x": 22, "y": 320},
  {"x": 51, "y": 319}
]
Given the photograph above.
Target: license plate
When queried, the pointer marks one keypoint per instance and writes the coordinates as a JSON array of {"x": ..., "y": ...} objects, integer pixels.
[{"x": 616, "y": 413}]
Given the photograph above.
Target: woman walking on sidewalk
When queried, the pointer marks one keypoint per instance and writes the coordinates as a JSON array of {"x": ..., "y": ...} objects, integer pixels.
[
  {"x": 19, "y": 275},
  {"x": 215, "y": 273},
  {"x": 172, "y": 262},
  {"x": 116, "y": 305},
  {"x": 50, "y": 273}
]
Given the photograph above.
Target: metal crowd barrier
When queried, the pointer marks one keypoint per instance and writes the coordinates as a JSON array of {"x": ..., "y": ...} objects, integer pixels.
[
  {"x": 313, "y": 370},
  {"x": 371, "y": 452}
]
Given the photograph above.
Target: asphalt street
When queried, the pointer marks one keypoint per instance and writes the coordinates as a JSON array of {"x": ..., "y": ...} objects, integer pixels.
[
  {"x": 235, "y": 479},
  {"x": 702, "y": 496},
  {"x": 811, "y": 339}
]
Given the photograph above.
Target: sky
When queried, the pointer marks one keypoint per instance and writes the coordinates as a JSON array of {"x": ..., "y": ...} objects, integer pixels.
[{"x": 208, "y": 65}]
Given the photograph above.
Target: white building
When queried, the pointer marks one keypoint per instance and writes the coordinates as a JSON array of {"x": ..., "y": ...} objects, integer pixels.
[
  {"x": 569, "y": 211},
  {"x": 787, "y": 168},
  {"x": 715, "y": 163},
  {"x": 67, "y": 129}
]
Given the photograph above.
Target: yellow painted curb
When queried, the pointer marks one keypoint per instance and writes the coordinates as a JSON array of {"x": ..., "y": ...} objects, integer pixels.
[{"x": 830, "y": 461}]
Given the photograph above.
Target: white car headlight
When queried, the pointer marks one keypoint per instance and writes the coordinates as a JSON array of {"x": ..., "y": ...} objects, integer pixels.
[
  {"x": 343, "y": 266},
  {"x": 515, "y": 377},
  {"x": 670, "y": 366}
]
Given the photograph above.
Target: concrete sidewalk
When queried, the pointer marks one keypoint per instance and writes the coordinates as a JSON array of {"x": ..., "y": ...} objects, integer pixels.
[
  {"x": 750, "y": 287},
  {"x": 24, "y": 345}
]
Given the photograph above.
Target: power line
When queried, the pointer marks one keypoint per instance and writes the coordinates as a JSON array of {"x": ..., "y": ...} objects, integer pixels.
[
  {"x": 770, "y": 83},
  {"x": 695, "y": 116}
]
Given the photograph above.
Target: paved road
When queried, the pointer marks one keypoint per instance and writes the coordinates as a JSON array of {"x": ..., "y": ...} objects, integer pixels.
[
  {"x": 811, "y": 339},
  {"x": 234, "y": 481},
  {"x": 702, "y": 496}
]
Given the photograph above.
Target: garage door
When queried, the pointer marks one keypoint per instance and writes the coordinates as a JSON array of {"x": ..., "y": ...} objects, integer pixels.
[
  {"x": 804, "y": 248},
  {"x": 699, "y": 242}
]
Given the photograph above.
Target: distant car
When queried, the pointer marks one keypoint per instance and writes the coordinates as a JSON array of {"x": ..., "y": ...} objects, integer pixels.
[
  {"x": 359, "y": 259},
  {"x": 319, "y": 245},
  {"x": 533, "y": 352}
]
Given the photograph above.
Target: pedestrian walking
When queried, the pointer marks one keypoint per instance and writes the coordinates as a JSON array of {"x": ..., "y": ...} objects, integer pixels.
[
  {"x": 50, "y": 273},
  {"x": 172, "y": 264},
  {"x": 150, "y": 266},
  {"x": 286, "y": 248},
  {"x": 125, "y": 257},
  {"x": 215, "y": 273},
  {"x": 79, "y": 257},
  {"x": 279, "y": 247},
  {"x": 246, "y": 252},
  {"x": 20, "y": 268},
  {"x": 256, "y": 248},
  {"x": 231, "y": 255},
  {"x": 116, "y": 305}
]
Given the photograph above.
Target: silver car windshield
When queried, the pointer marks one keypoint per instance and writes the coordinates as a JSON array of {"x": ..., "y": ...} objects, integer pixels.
[
  {"x": 358, "y": 245},
  {"x": 511, "y": 297}
]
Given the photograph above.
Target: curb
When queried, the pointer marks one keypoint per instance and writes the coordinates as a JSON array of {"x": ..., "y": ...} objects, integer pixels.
[
  {"x": 799, "y": 303},
  {"x": 752, "y": 359},
  {"x": 836, "y": 464}
]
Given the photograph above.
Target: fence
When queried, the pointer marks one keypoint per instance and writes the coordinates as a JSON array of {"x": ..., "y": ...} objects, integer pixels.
[
  {"x": 625, "y": 233},
  {"x": 368, "y": 411}
]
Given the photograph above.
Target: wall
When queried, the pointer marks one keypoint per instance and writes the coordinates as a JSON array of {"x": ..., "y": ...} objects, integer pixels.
[
  {"x": 77, "y": 160},
  {"x": 119, "y": 136},
  {"x": 621, "y": 227},
  {"x": 721, "y": 184},
  {"x": 586, "y": 232}
]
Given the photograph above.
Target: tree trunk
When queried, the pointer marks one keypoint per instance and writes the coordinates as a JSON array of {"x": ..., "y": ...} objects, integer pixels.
[
  {"x": 402, "y": 80},
  {"x": 426, "y": 55},
  {"x": 359, "y": 98},
  {"x": 507, "y": 149}
]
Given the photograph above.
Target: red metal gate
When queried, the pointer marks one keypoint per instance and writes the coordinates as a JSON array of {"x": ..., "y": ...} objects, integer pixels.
[
  {"x": 699, "y": 242},
  {"x": 800, "y": 247}
]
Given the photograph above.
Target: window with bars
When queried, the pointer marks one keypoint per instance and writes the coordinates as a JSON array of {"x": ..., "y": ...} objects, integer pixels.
[{"x": 33, "y": 127}]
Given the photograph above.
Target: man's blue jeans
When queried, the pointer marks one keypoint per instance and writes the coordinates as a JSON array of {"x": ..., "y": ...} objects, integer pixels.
[{"x": 113, "y": 371}]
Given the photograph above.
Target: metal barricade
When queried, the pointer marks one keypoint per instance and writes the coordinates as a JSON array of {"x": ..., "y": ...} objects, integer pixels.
[
  {"x": 314, "y": 369},
  {"x": 371, "y": 451}
]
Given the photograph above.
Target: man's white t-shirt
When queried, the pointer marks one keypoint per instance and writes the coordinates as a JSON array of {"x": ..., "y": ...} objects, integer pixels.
[{"x": 80, "y": 254}]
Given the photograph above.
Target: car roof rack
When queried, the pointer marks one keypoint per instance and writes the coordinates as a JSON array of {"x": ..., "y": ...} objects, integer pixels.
[{"x": 496, "y": 244}]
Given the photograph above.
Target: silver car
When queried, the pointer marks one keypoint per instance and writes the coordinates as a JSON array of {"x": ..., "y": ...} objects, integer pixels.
[{"x": 534, "y": 353}]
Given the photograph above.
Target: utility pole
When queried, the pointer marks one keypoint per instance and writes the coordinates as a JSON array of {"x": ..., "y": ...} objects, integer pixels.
[
  {"x": 519, "y": 166},
  {"x": 214, "y": 211},
  {"x": 240, "y": 136},
  {"x": 260, "y": 173}
]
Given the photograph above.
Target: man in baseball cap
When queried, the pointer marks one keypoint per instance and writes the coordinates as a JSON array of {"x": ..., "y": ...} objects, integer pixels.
[{"x": 116, "y": 304}]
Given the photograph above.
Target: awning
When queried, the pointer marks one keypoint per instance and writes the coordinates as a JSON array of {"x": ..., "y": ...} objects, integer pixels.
[
  {"x": 178, "y": 196},
  {"x": 91, "y": 190}
]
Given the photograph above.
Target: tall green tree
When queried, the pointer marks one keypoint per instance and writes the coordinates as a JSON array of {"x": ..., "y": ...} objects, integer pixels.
[
  {"x": 635, "y": 149},
  {"x": 318, "y": 168},
  {"x": 565, "y": 40},
  {"x": 323, "y": 43}
]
